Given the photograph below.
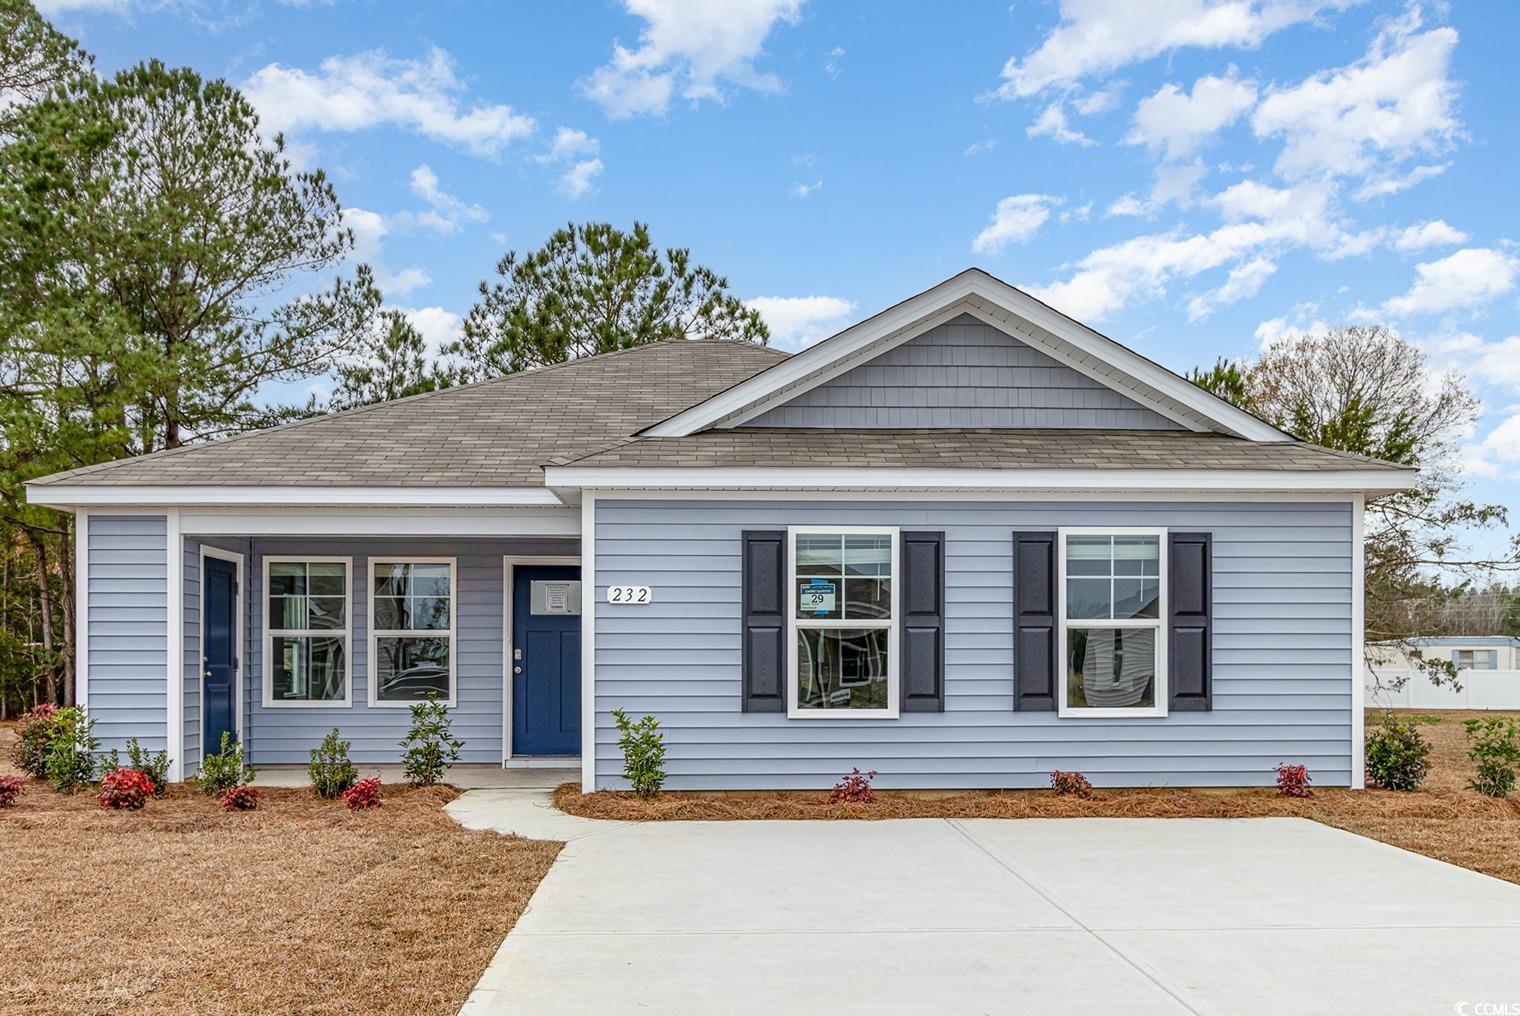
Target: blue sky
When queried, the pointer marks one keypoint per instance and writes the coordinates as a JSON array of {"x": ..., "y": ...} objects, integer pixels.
[{"x": 1192, "y": 177}]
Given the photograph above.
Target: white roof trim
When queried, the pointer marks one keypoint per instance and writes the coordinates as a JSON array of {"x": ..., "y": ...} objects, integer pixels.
[
  {"x": 60, "y": 495},
  {"x": 1116, "y": 480},
  {"x": 1157, "y": 388}
]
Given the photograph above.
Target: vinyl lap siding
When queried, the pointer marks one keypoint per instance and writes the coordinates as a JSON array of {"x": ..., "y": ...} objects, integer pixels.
[
  {"x": 276, "y": 735},
  {"x": 1282, "y": 652},
  {"x": 127, "y": 629},
  {"x": 964, "y": 373}
]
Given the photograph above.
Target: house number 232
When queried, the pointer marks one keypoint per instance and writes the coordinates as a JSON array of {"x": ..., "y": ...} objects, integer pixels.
[{"x": 629, "y": 594}]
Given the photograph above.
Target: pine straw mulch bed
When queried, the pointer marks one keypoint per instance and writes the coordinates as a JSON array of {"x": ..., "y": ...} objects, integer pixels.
[
  {"x": 1442, "y": 820},
  {"x": 299, "y": 906}
]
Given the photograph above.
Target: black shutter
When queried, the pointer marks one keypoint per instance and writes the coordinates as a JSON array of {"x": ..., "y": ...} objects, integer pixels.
[
  {"x": 764, "y": 608},
  {"x": 1034, "y": 621},
  {"x": 923, "y": 622},
  {"x": 1191, "y": 600}
]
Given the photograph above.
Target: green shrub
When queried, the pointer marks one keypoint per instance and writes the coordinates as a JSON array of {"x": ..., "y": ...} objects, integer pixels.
[
  {"x": 430, "y": 744},
  {"x": 1495, "y": 748},
  {"x": 331, "y": 771},
  {"x": 643, "y": 753},
  {"x": 155, "y": 766},
  {"x": 33, "y": 731},
  {"x": 71, "y": 751},
  {"x": 224, "y": 770},
  {"x": 1398, "y": 758}
]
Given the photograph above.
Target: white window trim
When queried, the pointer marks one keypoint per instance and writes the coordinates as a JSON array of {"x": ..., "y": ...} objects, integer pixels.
[
  {"x": 893, "y": 627},
  {"x": 451, "y": 632},
  {"x": 266, "y": 671},
  {"x": 1159, "y": 624}
]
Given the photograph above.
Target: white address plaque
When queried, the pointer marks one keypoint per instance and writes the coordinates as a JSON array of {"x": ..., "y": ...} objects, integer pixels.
[{"x": 629, "y": 594}]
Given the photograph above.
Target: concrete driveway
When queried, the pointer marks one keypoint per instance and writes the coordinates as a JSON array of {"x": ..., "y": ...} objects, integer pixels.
[{"x": 1139, "y": 916}]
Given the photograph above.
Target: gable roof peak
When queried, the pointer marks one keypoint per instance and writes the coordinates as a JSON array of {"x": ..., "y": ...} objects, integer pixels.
[{"x": 978, "y": 292}]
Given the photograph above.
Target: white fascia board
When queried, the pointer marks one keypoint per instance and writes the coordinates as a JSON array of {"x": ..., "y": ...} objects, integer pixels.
[
  {"x": 813, "y": 365},
  {"x": 65, "y": 495},
  {"x": 625, "y": 478},
  {"x": 389, "y": 521}
]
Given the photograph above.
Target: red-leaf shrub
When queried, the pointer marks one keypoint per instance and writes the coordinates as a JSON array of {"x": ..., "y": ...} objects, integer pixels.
[
  {"x": 1293, "y": 781},
  {"x": 854, "y": 789},
  {"x": 363, "y": 795},
  {"x": 10, "y": 789},
  {"x": 33, "y": 732},
  {"x": 125, "y": 789},
  {"x": 240, "y": 798},
  {"x": 1070, "y": 784}
]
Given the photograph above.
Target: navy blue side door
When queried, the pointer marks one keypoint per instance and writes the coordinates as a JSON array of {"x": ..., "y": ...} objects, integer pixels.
[
  {"x": 546, "y": 660},
  {"x": 219, "y": 644}
]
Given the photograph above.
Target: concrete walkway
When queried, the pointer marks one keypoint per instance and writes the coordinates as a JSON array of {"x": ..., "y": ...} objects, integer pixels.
[{"x": 1270, "y": 916}]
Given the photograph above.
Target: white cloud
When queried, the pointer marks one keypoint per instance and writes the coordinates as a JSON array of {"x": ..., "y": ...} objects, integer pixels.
[
  {"x": 1141, "y": 268},
  {"x": 1362, "y": 119},
  {"x": 1177, "y": 123},
  {"x": 1052, "y": 123},
  {"x": 1015, "y": 220},
  {"x": 1471, "y": 276},
  {"x": 831, "y": 61},
  {"x": 1173, "y": 184},
  {"x": 447, "y": 211},
  {"x": 373, "y": 89},
  {"x": 981, "y": 147},
  {"x": 1081, "y": 213},
  {"x": 1492, "y": 363},
  {"x": 369, "y": 229},
  {"x": 1099, "y": 36},
  {"x": 1127, "y": 204},
  {"x": 436, "y": 325},
  {"x": 1498, "y": 454},
  {"x": 802, "y": 190},
  {"x": 1278, "y": 330},
  {"x": 1244, "y": 281},
  {"x": 796, "y": 321},
  {"x": 570, "y": 143},
  {"x": 579, "y": 179},
  {"x": 691, "y": 43},
  {"x": 1382, "y": 186},
  {"x": 575, "y": 152},
  {"x": 1097, "y": 102},
  {"x": 1436, "y": 233}
]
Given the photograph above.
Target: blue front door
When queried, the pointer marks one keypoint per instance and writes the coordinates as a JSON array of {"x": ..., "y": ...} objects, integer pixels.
[
  {"x": 546, "y": 660},
  {"x": 219, "y": 644}
]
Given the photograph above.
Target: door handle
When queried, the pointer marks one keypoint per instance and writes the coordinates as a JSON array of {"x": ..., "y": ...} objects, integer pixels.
[{"x": 517, "y": 670}]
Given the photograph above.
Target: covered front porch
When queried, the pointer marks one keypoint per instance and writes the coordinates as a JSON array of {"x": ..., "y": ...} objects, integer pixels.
[{"x": 282, "y": 624}]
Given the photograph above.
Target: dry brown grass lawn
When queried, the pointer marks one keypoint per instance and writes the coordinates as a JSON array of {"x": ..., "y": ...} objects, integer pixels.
[
  {"x": 300, "y": 906},
  {"x": 1444, "y": 819}
]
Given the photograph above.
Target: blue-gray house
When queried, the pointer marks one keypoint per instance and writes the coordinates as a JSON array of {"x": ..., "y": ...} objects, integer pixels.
[{"x": 963, "y": 543}]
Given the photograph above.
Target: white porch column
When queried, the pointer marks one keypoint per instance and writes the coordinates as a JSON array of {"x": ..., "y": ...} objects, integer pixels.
[{"x": 588, "y": 642}]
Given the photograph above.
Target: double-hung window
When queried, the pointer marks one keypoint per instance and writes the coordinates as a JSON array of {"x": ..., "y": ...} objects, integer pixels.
[
  {"x": 1475, "y": 659},
  {"x": 411, "y": 645},
  {"x": 843, "y": 612},
  {"x": 1112, "y": 608},
  {"x": 306, "y": 631}
]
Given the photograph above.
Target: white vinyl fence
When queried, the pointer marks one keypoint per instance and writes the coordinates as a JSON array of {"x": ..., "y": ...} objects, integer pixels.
[{"x": 1481, "y": 689}]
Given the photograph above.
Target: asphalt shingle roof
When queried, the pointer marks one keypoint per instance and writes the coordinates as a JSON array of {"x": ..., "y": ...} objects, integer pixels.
[
  {"x": 589, "y": 412},
  {"x": 780, "y": 447},
  {"x": 492, "y": 434}
]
